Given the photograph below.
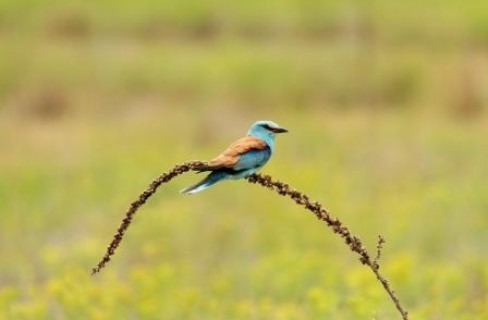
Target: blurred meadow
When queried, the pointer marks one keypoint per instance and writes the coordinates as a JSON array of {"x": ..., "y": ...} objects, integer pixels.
[{"x": 387, "y": 107}]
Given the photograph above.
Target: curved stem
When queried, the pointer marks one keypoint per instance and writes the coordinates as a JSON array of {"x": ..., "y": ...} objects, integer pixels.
[
  {"x": 281, "y": 188},
  {"x": 352, "y": 241},
  {"x": 129, "y": 215}
]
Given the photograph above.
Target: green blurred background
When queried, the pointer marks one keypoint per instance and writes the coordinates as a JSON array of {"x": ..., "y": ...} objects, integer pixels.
[{"x": 386, "y": 103}]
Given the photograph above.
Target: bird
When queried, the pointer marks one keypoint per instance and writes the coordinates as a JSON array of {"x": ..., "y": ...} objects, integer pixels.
[{"x": 242, "y": 158}]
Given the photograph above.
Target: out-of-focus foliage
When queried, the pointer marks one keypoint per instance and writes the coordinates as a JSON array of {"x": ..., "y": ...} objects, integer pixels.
[
  {"x": 292, "y": 54},
  {"x": 386, "y": 103}
]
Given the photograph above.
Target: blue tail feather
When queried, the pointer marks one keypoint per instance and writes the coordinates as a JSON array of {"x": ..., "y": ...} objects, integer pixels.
[{"x": 209, "y": 180}]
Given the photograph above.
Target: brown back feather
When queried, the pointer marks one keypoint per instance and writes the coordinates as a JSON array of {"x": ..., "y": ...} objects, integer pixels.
[{"x": 230, "y": 156}]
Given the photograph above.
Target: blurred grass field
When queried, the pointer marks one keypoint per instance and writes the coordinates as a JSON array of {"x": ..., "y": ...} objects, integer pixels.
[{"x": 386, "y": 103}]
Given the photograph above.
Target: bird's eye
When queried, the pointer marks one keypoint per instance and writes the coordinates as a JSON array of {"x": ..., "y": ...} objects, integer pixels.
[{"x": 266, "y": 126}]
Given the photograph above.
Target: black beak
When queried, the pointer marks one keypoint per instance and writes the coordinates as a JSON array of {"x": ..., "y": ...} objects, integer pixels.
[{"x": 279, "y": 130}]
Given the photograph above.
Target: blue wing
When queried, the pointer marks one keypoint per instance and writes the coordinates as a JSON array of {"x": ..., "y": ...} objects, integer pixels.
[{"x": 254, "y": 158}]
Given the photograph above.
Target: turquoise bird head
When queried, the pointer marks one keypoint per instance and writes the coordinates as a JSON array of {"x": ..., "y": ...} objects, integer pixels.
[{"x": 266, "y": 130}]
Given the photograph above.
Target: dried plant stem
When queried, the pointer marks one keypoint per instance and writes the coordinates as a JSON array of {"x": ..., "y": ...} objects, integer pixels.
[
  {"x": 151, "y": 189},
  {"x": 379, "y": 247},
  {"x": 351, "y": 240},
  {"x": 281, "y": 188}
]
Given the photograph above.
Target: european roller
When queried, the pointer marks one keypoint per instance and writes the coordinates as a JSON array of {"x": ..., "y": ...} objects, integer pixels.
[{"x": 242, "y": 158}]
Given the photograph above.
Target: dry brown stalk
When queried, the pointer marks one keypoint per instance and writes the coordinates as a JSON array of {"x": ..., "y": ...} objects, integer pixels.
[
  {"x": 151, "y": 189},
  {"x": 337, "y": 226},
  {"x": 352, "y": 241}
]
